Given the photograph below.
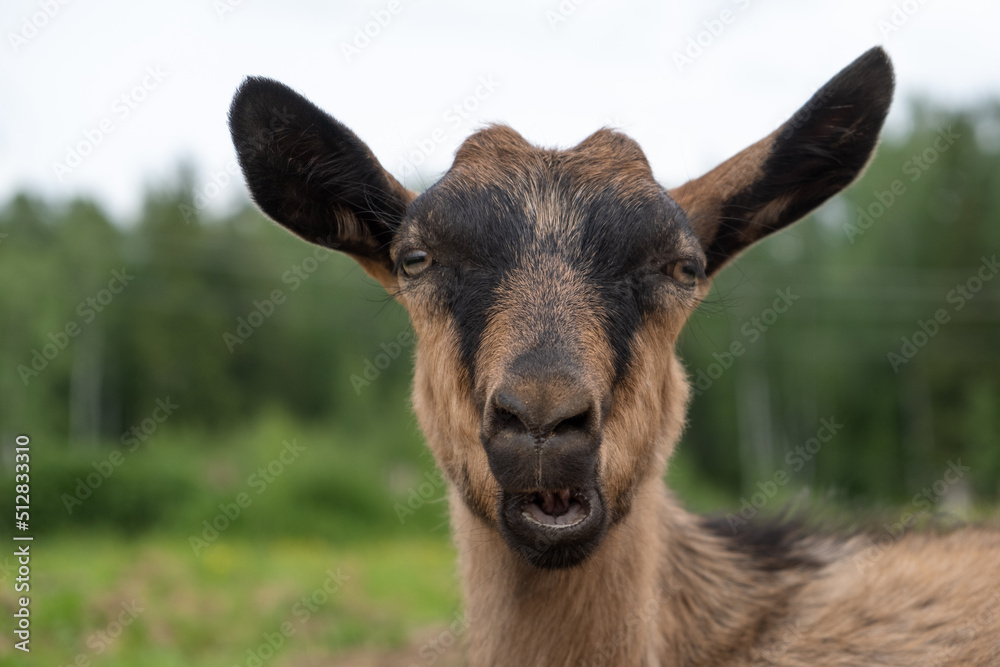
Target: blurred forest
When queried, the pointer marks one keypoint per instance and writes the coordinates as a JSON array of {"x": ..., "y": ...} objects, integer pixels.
[
  {"x": 164, "y": 366},
  {"x": 237, "y": 322}
]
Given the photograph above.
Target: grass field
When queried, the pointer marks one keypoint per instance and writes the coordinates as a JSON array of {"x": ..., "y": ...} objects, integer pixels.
[{"x": 109, "y": 601}]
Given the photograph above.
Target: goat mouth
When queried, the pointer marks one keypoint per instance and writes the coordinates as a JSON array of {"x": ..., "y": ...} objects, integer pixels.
[
  {"x": 553, "y": 528},
  {"x": 556, "y": 508}
]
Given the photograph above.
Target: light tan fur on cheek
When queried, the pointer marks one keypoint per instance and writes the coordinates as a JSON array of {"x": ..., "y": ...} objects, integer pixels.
[
  {"x": 636, "y": 446},
  {"x": 446, "y": 412}
]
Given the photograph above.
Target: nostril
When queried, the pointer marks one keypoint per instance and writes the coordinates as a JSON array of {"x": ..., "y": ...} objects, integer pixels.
[
  {"x": 505, "y": 420},
  {"x": 510, "y": 414},
  {"x": 543, "y": 416},
  {"x": 578, "y": 422}
]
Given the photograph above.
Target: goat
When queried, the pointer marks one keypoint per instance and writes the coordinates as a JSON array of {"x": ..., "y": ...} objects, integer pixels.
[{"x": 547, "y": 289}]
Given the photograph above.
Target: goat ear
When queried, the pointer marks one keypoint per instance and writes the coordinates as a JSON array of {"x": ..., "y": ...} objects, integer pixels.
[
  {"x": 815, "y": 154},
  {"x": 312, "y": 175}
]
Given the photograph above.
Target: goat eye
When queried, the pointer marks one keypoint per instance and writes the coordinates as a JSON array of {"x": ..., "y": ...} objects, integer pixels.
[
  {"x": 415, "y": 263},
  {"x": 684, "y": 271}
]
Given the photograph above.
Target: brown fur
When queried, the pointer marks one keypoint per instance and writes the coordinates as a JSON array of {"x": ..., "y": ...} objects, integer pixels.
[
  {"x": 661, "y": 590},
  {"x": 660, "y": 586}
]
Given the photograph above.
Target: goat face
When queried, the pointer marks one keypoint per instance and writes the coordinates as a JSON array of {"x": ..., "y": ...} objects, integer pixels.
[{"x": 547, "y": 288}]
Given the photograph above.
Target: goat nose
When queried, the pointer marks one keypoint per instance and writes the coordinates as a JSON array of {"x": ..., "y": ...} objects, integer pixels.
[
  {"x": 542, "y": 426},
  {"x": 542, "y": 411}
]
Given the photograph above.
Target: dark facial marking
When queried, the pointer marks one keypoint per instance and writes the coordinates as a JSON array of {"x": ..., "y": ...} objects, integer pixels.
[{"x": 507, "y": 207}]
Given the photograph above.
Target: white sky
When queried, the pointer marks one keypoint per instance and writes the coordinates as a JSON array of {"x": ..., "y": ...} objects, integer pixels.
[{"x": 606, "y": 63}]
